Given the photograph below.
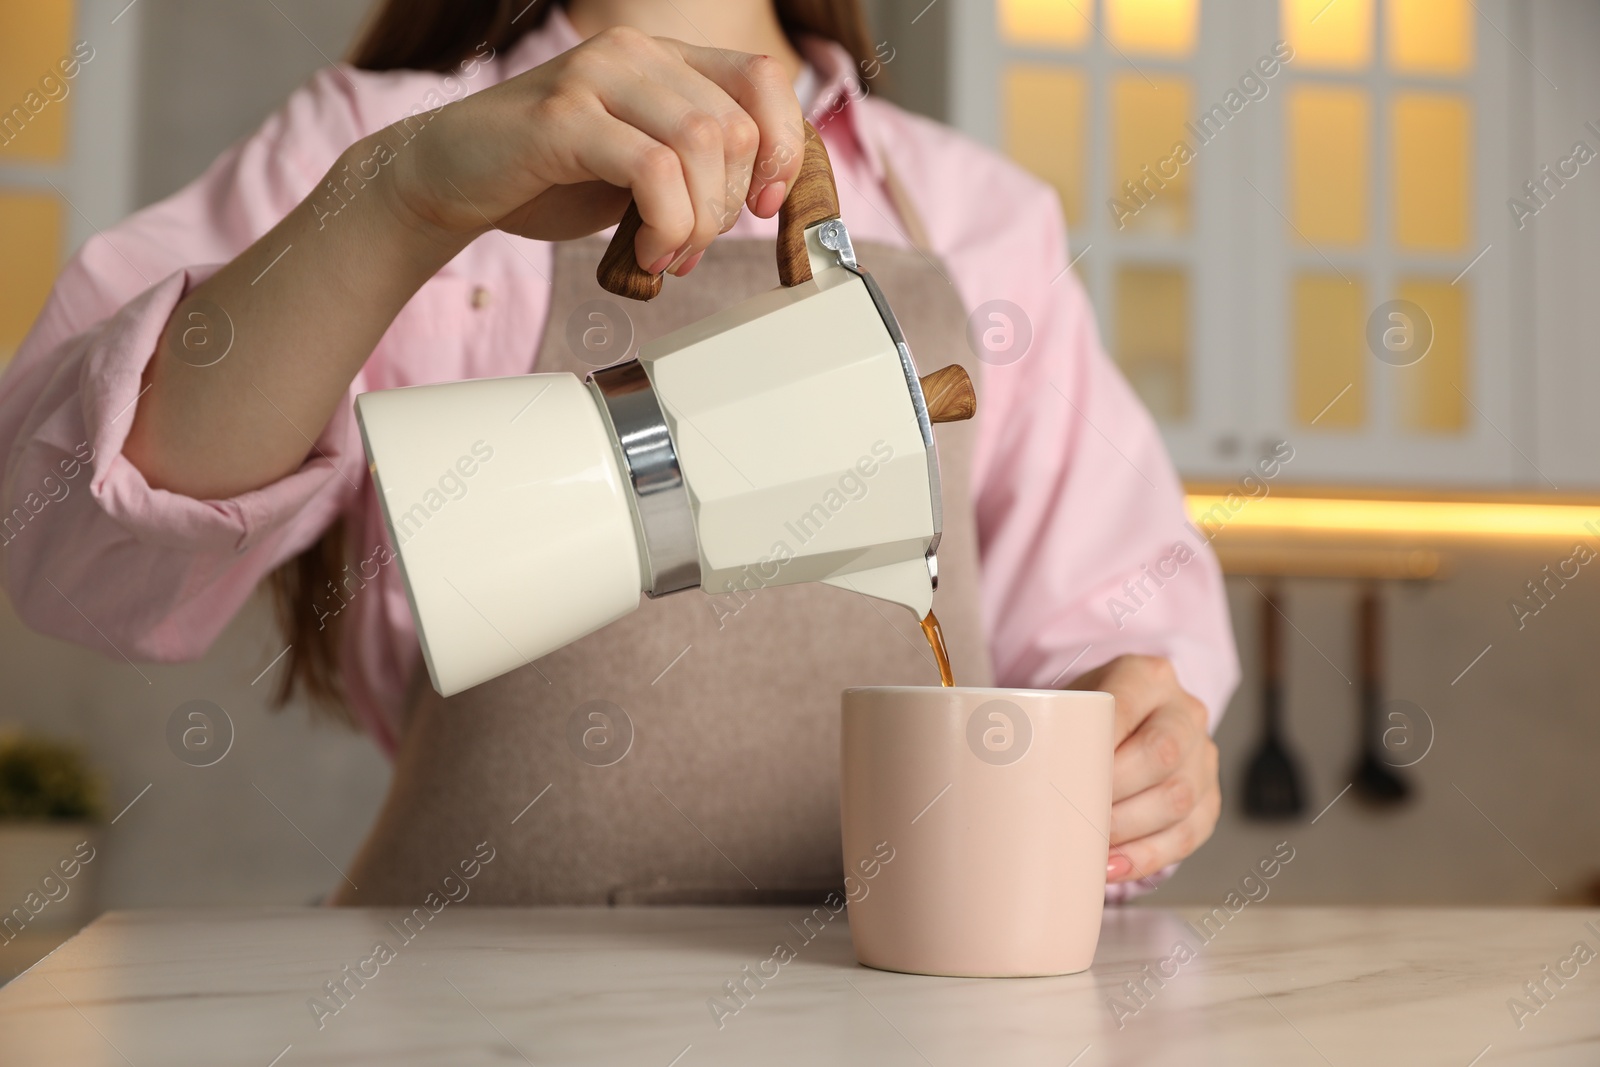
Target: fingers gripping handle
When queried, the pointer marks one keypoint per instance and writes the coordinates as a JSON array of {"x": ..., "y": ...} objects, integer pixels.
[{"x": 811, "y": 199}]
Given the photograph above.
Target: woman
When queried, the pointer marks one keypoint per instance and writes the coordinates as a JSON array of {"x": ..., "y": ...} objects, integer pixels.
[{"x": 424, "y": 215}]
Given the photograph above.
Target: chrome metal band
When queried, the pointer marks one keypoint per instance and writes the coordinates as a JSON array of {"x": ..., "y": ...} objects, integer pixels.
[{"x": 660, "y": 498}]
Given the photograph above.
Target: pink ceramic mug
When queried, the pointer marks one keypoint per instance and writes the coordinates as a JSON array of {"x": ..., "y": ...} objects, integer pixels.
[{"x": 975, "y": 828}]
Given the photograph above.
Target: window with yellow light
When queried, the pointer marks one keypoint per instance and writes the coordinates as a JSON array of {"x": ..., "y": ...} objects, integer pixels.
[
  {"x": 1068, "y": 56},
  {"x": 1337, "y": 109}
]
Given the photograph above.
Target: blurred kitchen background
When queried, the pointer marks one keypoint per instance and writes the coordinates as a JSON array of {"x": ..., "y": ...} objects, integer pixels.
[{"x": 1248, "y": 185}]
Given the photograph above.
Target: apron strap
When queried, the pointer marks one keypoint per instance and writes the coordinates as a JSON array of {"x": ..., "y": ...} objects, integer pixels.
[{"x": 904, "y": 206}]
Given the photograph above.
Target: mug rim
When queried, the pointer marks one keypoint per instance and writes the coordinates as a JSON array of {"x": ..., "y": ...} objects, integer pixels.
[{"x": 973, "y": 690}]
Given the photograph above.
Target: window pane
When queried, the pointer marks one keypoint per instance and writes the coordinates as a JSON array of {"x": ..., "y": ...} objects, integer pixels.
[
  {"x": 1432, "y": 134},
  {"x": 1330, "y": 34},
  {"x": 30, "y": 233},
  {"x": 1153, "y": 27},
  {"x": 1152, "y": 324},
  {"x": 1433, "y": 391},
  {"x": 1053, "y": 23},
  {"x": 1044, "y": 116},
  {"x": 1330, "y": 355},
  {"x": 1149, "y": 179},
  {"x": 1429, "y": 36},
  {"x": 1328, "y": 163},
  {"x": 34, "y": 37}
]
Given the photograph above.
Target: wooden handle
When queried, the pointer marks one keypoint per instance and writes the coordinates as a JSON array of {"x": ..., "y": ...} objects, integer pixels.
[
  {"x": 811, "y": 199},
  {"x": 949, "y": 395},
  {"x": 619, "y": 271}
]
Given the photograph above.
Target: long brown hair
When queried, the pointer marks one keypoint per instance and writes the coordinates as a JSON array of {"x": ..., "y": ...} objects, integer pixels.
[{"x": 438, "y": 35}]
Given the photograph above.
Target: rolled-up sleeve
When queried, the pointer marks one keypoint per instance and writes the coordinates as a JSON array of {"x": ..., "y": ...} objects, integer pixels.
[{"x": 89, "y": 551}]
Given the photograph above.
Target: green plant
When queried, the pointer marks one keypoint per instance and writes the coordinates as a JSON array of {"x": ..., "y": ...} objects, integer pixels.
[{"x": 45, "y": 779}]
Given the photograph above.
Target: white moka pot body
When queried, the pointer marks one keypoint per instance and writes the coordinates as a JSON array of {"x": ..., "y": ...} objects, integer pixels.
[
  {"x": 800, "y": 443},
  {"x": 524, "y": 517},
  {"x": 509, "y": 514}
]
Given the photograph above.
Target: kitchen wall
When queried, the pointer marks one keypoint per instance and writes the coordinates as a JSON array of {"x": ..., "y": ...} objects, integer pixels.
[
  {"x": 1506, "y": 801},
  {"x": 1508, "y": 798},
  {"x": 212, "y": 72}
]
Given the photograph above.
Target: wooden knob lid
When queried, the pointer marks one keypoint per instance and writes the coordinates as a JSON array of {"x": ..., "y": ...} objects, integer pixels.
[
  {"x": 949, "y": 395},
  {"x": 811, "y": 199}
]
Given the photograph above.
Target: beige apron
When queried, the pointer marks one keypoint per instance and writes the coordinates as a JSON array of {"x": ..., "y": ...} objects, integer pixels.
[{"x": 727, "y": 790}]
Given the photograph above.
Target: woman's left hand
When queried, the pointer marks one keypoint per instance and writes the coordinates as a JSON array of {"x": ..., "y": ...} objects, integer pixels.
[{"x": 1165, "y": 796}]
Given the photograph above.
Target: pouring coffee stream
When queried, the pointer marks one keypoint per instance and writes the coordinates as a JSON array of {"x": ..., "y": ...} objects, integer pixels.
[
  {"x": 950, "y": 398},
  {"x": 941, "y": 655},
  {"x": 716, "y": 459}
]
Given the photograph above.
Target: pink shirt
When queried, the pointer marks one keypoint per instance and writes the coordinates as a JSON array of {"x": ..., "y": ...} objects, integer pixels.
[{"x": 1074, "y": 491}]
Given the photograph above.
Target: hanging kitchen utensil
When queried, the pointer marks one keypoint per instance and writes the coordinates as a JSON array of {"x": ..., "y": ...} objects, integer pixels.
[
  {"x": 1375, "y": 782},
  {"x": 1271, "y": 780}
]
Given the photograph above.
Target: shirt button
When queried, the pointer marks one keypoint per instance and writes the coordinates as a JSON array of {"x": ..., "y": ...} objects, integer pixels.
[{"x": 480, "y": 298}]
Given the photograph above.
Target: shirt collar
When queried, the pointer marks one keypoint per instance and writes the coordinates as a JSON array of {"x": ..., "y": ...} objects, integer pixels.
[{"x": 836, "y": 105}]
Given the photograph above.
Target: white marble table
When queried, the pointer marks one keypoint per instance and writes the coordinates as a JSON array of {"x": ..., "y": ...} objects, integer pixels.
[{"x": 631, "y": 986}]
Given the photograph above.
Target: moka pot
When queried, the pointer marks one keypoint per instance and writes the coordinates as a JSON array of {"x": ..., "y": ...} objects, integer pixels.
[{"x": 785, "y": 439}]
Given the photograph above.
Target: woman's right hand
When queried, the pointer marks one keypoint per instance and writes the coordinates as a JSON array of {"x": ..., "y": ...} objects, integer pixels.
[
  {"x": 690, "y": 133},
  {"x": 555, "y": 153}
]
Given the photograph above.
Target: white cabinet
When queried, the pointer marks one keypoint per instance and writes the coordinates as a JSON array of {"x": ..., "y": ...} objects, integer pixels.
[
  {"x": 1558, "y": 360},
  {"x": 1296, "y": 166}
]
